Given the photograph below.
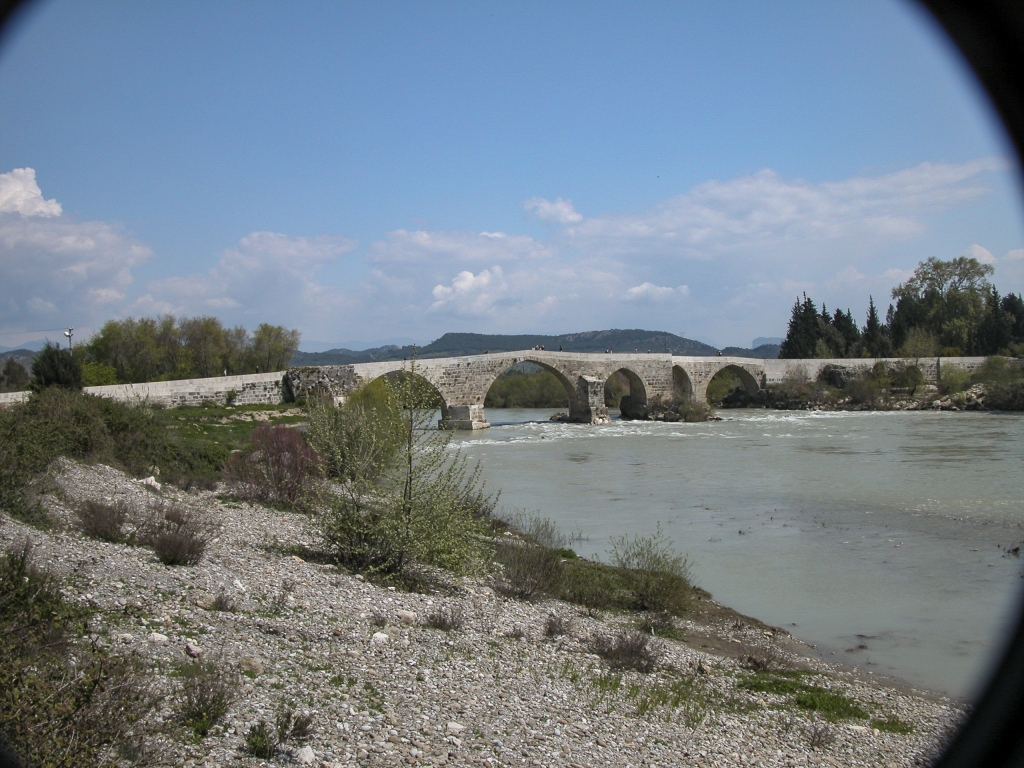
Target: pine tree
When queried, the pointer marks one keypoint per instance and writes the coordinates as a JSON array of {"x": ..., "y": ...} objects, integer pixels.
[{"x": 875, "y": 335}]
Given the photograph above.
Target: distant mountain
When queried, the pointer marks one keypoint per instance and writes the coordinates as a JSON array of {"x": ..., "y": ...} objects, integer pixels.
[
  {"x": 763, "y": 352},
  {"x": 760, "y": 341},
  {"x": 459, "y": 344}
]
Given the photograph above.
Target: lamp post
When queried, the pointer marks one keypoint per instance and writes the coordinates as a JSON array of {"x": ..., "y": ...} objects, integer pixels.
[{"x": 69, "y": 333}]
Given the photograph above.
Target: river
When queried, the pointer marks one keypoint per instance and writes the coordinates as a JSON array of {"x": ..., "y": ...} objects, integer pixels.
[{"x": 877, "y": 536}]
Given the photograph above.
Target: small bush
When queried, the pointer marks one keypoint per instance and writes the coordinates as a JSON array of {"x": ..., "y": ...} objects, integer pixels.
[
  {"x": 768, "y": 659},
  {"x": 693, "y": 412},
  {"x": 177, "y": 535},
  {"x": 277, "y": 468},
  {"x": 660, "y": 624},
  {"x": 207, "y": 693},
  {"x": 292, "y": 728},
  {"x": 260, "y": 741},
  {"x": 104, "y": 520},
  {"x": 1006, "y": 397},
  {"x": 820, "y": 735},
  {"x": 628, "y": 650},
  {"x": 908, "y": 376},
  {"x": 446, "y": 618},
  {"x": 556, "y": 625},
  {"x": 224, "y": 602},
  {"x": 953, "y": 379},
  {"x": 659, "y": 575}
]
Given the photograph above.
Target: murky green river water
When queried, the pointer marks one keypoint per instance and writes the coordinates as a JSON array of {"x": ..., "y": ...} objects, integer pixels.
[{"x": 881, "y": 530}]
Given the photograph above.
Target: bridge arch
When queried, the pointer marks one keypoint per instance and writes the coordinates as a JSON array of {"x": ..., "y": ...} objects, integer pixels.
[
  {"x": 747, "y": 380},
  {"x": 397, "y": 373},
  {"x": 682, "y": 384},
  {"x": 567, "y": 383},
  {"x": 634, "y": 404}
]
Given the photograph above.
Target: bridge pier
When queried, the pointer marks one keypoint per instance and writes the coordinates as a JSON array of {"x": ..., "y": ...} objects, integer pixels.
[
  {"x": 464, "y": 417},
  {"x": 588, "y": 406}
]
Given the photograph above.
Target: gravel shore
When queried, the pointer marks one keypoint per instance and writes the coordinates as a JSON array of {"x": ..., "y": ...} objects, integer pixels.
[{"x": 384, "y": 689}]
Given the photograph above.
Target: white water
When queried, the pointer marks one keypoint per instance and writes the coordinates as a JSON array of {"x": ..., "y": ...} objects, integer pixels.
[{"x": 878, "y": 529}]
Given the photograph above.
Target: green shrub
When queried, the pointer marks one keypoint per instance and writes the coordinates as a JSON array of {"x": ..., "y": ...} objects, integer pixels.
[
  {"x": 953, "y": 379},
  {"x": 62, "y": 701},
  {"x": 55, "y": 367},
  {"x": 907, "y": 375},
  {"x": 532, "y": 564},
  {"x": 1006, "y": 397},
  {"x": 659, "y": 576},
  {"x": 829, "y": 705},
  {"x": 293, "y": 728}
]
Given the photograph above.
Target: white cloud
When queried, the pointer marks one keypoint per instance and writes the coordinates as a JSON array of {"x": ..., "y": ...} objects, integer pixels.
[
  {"x": 984, "y": 255},
  {"x": 764, "y": 210},
  {"x": 55, "y": 270},
  {"x": 1017, "y": 253},
  {"x": 19, "y": 193},
  {"x": 471, "y": 294},
  {"x": 558, "y": 212},
  {"x": 267, "y": 276},
  {"x": 433, "y": 247},
  {"x": 652, "y": 292}
]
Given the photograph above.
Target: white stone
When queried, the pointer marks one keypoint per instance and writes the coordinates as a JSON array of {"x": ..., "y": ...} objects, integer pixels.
[
  {"x": 156, "y": 637},
  {"x": 380, "y": 638},
  {"x": 454, "y": 727},
  {"x": 305, "y": 756},
  {"x": 406, "y": 617}
]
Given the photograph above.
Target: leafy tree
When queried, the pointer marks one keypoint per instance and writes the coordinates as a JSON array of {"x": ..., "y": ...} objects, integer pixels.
[
  {"x": 13, "y": 377},
  {"x": 55, "y": 367},
  {"x": 273, "y": 346},
  {"x": 420, "y": 506},
  {"x": 98, "y": 374},
  {"x": 919, "y": 343}
]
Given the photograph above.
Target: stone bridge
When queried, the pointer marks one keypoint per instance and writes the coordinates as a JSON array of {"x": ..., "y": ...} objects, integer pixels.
[{"x": 462, "y": 382}]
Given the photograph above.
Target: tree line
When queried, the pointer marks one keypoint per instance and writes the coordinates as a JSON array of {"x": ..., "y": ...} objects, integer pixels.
[
  {"x": 946, "y": 308},
  {"x": 167, "y": 348}
]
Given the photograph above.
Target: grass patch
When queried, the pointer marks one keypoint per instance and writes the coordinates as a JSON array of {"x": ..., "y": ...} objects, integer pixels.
[
  {"x": 827, "y": 704},
  {"x": 261, "y": 741},
  {"x": 207, "y": 693},
  {"x": 892, "y": 725}
]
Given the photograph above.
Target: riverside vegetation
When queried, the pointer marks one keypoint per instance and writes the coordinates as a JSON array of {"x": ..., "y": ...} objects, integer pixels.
[{"x": 331, "y": 557}]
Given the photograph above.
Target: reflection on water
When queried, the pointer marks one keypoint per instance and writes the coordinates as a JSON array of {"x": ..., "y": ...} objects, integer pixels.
[{"x": 880, "y": 537}]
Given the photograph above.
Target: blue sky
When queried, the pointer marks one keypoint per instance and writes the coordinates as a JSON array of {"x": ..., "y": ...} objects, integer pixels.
[{"x": 370, "y": 171}]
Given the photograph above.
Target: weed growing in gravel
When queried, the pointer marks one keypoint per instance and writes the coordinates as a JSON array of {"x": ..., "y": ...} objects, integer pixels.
[
  {"x": 224, "y": 602},
  {"x": 177, "y": 535},
  {"x": 293, "y": 728},
  {"x": 373, "y": 698},
  {"x": 831, "y": 706},
  {"x": 104, "y": 520},
  {"x": 260, "y": 740},
  {"x": 628, "y": 650},
  {"x": 446, "y": 618},
  {"x": 660, "y": 624},
  {"x": 892, "y": 725},
  {"x": 680, "y": 694},
  {"x": 207, "y": 692},
  {"x": 556, "y": 625}
]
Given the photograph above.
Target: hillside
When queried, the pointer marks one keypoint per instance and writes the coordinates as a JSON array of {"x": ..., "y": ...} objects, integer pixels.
[
  {"x": 458, "y": 344},
  {"x": 763, "y": 352}
]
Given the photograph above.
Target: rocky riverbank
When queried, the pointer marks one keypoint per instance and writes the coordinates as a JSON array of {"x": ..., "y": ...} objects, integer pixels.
[{"x": 504, "y": 685}]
